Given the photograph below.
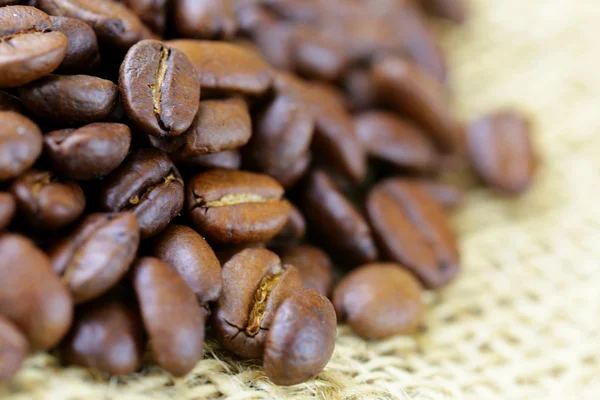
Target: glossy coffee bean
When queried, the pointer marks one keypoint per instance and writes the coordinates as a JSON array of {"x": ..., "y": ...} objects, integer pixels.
[
  {"x": 205, "y": 19},
  {"x": 398, "y": 142},
  {"x": 184, "y": 250},
  {"x": 153, "y": 13},
  {"x": 8, "y": 207},
  {"x": 89, "y": 152},
  {"x": 228, "y": 159},
  {"x": 8, "y": 102},
  {"x": 147, "y": 184},
  {"x": 172, "y": 317},
  {"x": 301, "y": 339},
  {"x": 313, "y": 264},
  {"x": 379, "y": 300},
  {"x": 336, "y": 222},
  {"x": 107, "y": 335},
  {"x": 225, "y": 67},
  {"x": 13, "y": 349},
  {"x": 501, "y": 151},
  {"x": 31, "y": 295},
  {"x": 47, "y": 202},
  {"x": 447, "y": 195},
  {"x": 29, "y": 48},
  {"x": 160, "y": 88},
  {"x": 82, "y": 49},
  {"x": 20, "y": 144},
  {"x": 96, "y": 255},
  {"x": 294, "y": 229},
  {"x": 236, "y": 207},
  {"x": 255, "y": 283},
  {"x": 413, "y": 230},
  {"x": 454, "y": 10}
]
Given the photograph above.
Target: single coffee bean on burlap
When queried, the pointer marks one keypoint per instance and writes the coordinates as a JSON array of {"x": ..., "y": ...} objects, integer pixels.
[
  {"x": 153, "y": 13},
  {"x": 313, "y": 264},
  {"x": 13, "y": 349},
  {"x": 82, "y": 49},
  {"x": 20, "y": 144},
  {"x": 205, "y": 19}
]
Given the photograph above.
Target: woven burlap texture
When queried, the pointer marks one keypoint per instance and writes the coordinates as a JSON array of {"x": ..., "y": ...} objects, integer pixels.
[{"x": 523, "y": 319}]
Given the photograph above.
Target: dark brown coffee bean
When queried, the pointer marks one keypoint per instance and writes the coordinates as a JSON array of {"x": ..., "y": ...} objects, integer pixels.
[
  {"x": 95, "y": 256},
  {"x": 301, "y": 339},
  {"x": 172, "y": 317},
  {"x": 314, "y": 266},
  {"x": 236, "y": 207},
  {"x": 254, "y": 285},
  {"x": 20, "y": 144},
  {"x": 31, "y": 295},
  {"x": 396, "y": 141},
  {"x": 224, "y": 253},
  {"x": 501, "y": 150},
  {"x": 447, "y": 195},
  {"x": 29, "y": 49},
  {"x": 8, "y": 102},
  {"x": 147, "y": 184},
  {"x": 82, "y": 49},
  {"x": 413, "y": 93},
  {"x": 336, "y": 222},
  {"x": 160, "y": 88},
  {"x": 13, "y": 349},
  {"x": 73, "y": 99},
  {"x": 317, "y": 55},
  {"x": 187, "y": 252},
  {"x": 153, "y": 13},
  {"x": 205, "y": 19},
  {"x": 228, "y": 159},
  {"x": 379, "y": 300},
  {"x": 106, "y": 335},
  {"x": 360, "y": 90},
  {"x": 225, "y": 67},
  {"x": 454, "y": 10},
  {"x": 292, "y": 175},
  {"x": 89, "y": 152},
  {"x": 47, "y": 202},
  {"x": 294, "y": 229},
  {"x": 7, "y": 209},
  {"x": 413, "y": 230},
  {"x": 114, "y": 24}
]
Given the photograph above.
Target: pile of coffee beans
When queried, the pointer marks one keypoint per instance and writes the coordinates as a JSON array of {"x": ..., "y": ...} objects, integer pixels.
[{"x": 171, "y": 169}]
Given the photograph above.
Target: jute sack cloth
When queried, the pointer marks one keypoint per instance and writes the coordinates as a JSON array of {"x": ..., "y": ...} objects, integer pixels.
[{"x": 523, "y": 319}]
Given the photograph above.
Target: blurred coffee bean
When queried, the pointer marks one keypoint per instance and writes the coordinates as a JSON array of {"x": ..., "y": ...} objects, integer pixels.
[
  {"x": 82, "y": 49},
  {"x": 454, "y": 10},
  {"x": 13, "y": 349},
  {"x": 316, "y": 55},
  {"x": 447, "y": 195},
  {"x": 205, "y": 19},
  {"x": 8, "y": 102},
  {"x": 313, "y": 264},
  {"x": 294, "y": 229},
  {"x": 20, "y": 144},
  {"x": 153, "y": 13},
  {"x": 360, "y": 90},
  {"x": 7, "y": 209},
  {"x": 227, "y": 159}
]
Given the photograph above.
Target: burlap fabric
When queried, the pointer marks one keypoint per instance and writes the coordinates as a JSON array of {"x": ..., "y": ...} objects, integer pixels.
[{"x": 523, "y": 319}]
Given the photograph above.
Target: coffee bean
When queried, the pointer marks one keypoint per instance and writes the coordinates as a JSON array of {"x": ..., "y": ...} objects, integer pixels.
[
  {"x": 413, "y": 230},
  {"x": 501, "y": 150},
  {"x": 187, "y": 252},
  {"x": 171, "y": 315},
  {"x": 7, "y": 209},
  {"x": 8, "y": 102},
  {"x": 304, "y": 317},
  {"x": 89, "y": 152},
  {"x": 254, "y": 285},
  {"x": 29, "y": 49},
  {"x": 236, "y": 207},
  {"x": 228, "y": 159},
  {"x": 82, "y": 49},
  {"x": 454, "y": 10},
  {"x": 396, "y": 141},
  {"x": 225, "y": 67},
  {"x": 313, "y": 264},
  {"x": 225, "y": 252},
  {"x": 317, "y": 55},
  {"x": 31, "y": 295},
  {"x": 294, "y": 229},
  {"x": 153, "y": 13},
  {"x": 147, "y": 184},
  {"x": 360, "y": 89},
  {"x": 379, "y": 300},
  {"x": 47, "y": 202},
  {"x": 20, "y": 144},
  {"x": 447, "y": 195},
  {"x": 160, "y": 88},
  {"x": 96, "y": 255},
  {"x": 336, "y": 222},
  {"x": 13, "y": 349},
  {"x": 106, "y": 335},
  {"x": 205, "y": 19}
]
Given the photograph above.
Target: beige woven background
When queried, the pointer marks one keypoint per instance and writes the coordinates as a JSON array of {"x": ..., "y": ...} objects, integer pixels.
[{"x": 523, "y": 319}]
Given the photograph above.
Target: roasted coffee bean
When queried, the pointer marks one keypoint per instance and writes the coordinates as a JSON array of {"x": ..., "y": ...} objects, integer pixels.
[
  {"x": 8, "y": 102},
  {"x": 147, "y": 184},
  {"x": 106, "y": 335},
  {"x": 501, "y": 150},
  {"x": 301, "y": 339},
  {"x": 187, "y": 252},
  {"x": 314, "y": 266},
  {"x": 205, "y": 19},
  {"x": 413, "y": 230},
  {"x": 379, "y": 300},
  {"x": 29, "y": 49},
  {"x": 13, "y": 349},
  {"x": 396, "y": 141},
  {"x": 294, "y": 228},
  {"x": 172, "y": 317},
  {"x": 89, "y": 152},
  {"x": 31, "y": 295},
  {"x": 316, "y": 55},
  {"x": 236, "y": 207},
  {"x": 413, "y": 93},
  {"x": 224, "y": 253},
  {"x": 336, "y": 222},
  {"x": 153, "y": 13},
  {"x": 228, "y": 159},
  {"x": 295, "y": 172},
  {"x": 454, "y": 10},
  {"x": 225, "y": 67},
  {"x": 47, "y": 202},
  {"x": 95, "y": 256},
  {"x": 160, "y": 88},
  {"x": 7, "y": 209},
  {"x": 82, "y": 49},
  {"x": 449, "y": 196},
  {"x": 114, "y": 24},
  {"x": 20, "y": 144},
  {"x": 255, "y": 283},
  {"x": 359, "y": 88}
]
